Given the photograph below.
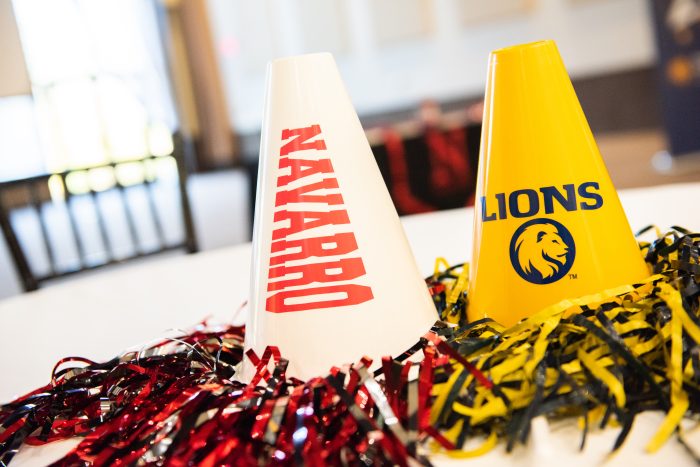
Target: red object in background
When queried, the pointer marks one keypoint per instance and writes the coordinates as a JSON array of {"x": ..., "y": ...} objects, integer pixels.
[
  {"x": 405, "y": 201},
  {"x": 449, "y": 172},
  {"x": 434, "y": 170}
]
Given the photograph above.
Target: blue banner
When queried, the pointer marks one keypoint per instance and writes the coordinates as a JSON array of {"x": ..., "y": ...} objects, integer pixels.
[{"x": 677, "y": 24}]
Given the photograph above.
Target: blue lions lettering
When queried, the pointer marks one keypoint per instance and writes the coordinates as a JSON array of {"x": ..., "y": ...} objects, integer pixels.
[{"x": 529, "y": 202}]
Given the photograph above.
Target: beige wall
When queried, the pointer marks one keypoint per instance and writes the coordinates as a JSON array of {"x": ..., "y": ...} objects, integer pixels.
[
  {"x": 13, "y": 71},
  {"x": 441, "y": 54}
]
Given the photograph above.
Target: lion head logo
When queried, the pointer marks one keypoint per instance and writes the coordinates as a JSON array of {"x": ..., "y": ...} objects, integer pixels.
[{"x": 542, "y": 251}]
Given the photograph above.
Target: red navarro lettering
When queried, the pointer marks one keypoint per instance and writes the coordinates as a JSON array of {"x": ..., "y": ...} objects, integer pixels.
[{"x": 295, "y": 287}]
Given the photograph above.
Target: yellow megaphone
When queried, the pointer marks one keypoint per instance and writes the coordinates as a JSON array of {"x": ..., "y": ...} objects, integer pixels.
[{"x": 548, "y": 224}]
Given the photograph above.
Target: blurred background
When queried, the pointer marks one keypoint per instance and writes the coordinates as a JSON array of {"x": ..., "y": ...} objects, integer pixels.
[{"x": 130, "y": 128}]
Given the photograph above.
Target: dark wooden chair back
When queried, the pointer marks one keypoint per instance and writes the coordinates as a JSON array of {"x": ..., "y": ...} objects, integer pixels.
[{"x": 38, "y": 195}]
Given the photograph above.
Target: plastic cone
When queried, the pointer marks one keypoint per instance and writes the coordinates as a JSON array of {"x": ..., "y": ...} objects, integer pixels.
[
  {"x": 548, "y": 224},
  {"x": 333, "y": 277}
]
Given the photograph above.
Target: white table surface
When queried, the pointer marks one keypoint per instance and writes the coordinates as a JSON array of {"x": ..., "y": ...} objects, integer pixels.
[{"x": 101, "y": 315}]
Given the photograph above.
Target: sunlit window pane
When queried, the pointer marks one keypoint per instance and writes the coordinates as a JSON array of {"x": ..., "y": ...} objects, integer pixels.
[
  {"x": 78, "y": 182},
  {"x": 102, "y": 178},
  {"x": 130, "y": 173},
  {"x": 80, "y": 126},
  {"x": 55, "y": 39},
  {"x": 53, "y": 151},
  {"x": 125, "y": 120},
  {"x": 166, "y": 168},
  {"x": 100, "y": 85},
  {"x": 160, "y": 141},
  {"x": 20, "y": 152},
  {"x": 56, "y": 188}
]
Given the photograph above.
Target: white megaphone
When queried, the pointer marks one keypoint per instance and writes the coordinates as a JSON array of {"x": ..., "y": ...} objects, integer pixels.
[{"x": 333, "y": 278}]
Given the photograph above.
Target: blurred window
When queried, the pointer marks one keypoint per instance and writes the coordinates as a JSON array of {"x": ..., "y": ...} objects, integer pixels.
[
  {"x": 20, "y": 152},
  {"x": 100, "y": 88}
]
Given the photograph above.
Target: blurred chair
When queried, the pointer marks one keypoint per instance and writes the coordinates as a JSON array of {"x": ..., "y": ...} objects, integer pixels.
[{"x": 54, "y": 230}]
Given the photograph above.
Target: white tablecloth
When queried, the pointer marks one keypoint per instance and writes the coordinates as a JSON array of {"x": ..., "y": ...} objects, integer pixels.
[{"x": 99, "y": 316}]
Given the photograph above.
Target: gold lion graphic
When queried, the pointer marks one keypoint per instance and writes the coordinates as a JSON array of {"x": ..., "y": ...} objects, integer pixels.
[{"x": 540, "y": 248}]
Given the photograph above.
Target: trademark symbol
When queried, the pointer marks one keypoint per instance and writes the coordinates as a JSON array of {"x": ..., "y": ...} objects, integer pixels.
[{"x": 573, "y": 276}]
